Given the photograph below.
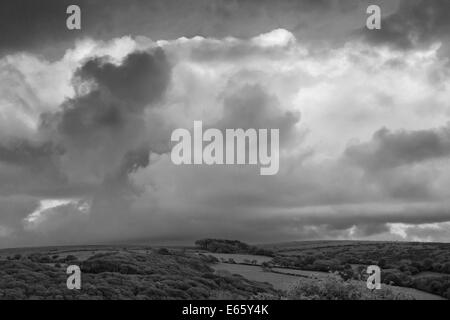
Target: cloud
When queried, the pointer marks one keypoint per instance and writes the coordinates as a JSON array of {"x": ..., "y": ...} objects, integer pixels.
[
  {"x": 407, "y": 165},
  {"x": 24, "y": 153},
  {"x": 435, "y": 232},
  {"x": 26, "y": 25},
  {"x": 107, "y": 136},
  {"x": 273, "y": 43},
  {"x": 415, "y": 23},
  {"x": 53, "y": 213},
  {"x": 5, "y": 231},
  {"x": 250, "y": 106},
  {"x": 98, "y": 134},
  {"x": 140, "y": 80},
  {"x": 394, "y": 149},
  {"x": 103, "y": 130},
  {"x": 27, "y": 167},
  {"x": 90, "y": 144}
]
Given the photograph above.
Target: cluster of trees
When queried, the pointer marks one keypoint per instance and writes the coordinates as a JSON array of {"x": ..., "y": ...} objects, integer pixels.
[
  {"x": 401, "y": 263},
  {"x": 231, "y": 246},
  {"x": 436, "y": 284},
  {"x": 125, "y": 275},
  {"x": 414, "y": 267},
  {"x": 407, "y": 257},
  {"x": 308, "y": 262}
]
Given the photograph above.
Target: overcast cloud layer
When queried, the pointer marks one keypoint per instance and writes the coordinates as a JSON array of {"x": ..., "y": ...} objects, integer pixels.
[{"x": 86, "y": 118}]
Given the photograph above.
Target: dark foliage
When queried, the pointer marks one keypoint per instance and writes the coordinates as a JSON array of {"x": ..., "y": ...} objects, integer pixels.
[
  {"x": 424, "y": 266},
  {"x": 231, "y": 246},
  {"x": 124, "y": 275}
]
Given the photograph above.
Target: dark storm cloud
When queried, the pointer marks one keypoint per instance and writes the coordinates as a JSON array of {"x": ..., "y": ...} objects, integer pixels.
[
  {"x": 416, "y": 22},
  {"x": 134, "y": 160},
  {"x": 109, "y": 118},
  {"x": 100, "y": 133},
  {"x": 332, "y": 222},
  {"x": 345, "y": 216},
  {"x": 90, "y": 147},
  {"x": 25, "y": 153},
  {"x": 41, "y": 25},
  {"x": 393, "y": 149},
  {"x": 27, "y": 24},
  {"x": 119, "y": 94},
  {"x": 340, "y": 222},
  {"x": 140, "y": 80}
]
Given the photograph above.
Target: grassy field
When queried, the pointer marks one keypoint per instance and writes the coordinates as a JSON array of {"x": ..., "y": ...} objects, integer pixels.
[
  {"x": 256, "y": 273},
  {"x": 284, "y": 279}
]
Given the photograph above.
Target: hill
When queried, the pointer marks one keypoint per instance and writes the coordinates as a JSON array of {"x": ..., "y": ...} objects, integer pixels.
[{"x": 121, "y": 274}]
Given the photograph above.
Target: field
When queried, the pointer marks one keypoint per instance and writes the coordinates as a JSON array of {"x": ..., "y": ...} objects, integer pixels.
[
  {"x": 255, "y": 273},
  {"x": 283, "y": 279},
  {"x": 412, "y": 266},
  {"x": 223, "y": 269}
]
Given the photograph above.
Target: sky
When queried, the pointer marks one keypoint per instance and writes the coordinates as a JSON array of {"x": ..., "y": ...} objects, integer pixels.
[{"x": 86, "y": 118}]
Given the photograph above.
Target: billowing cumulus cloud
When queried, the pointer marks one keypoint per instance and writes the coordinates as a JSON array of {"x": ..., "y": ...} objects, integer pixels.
[
  {"x": 364, "y": 136},
  {"x": 103, "y": 130}
]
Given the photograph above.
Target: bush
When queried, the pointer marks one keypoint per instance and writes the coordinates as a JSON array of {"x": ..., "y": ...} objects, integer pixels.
[
  {"x": 334, "y": 288},
  {"x": 209, "y": 258},
  {"x": 125, "y": 275},
  {"x": 231, "y": 246},
  {"x": 71, "y": 258},
  {"x": 447, "y": 294},
  {"x": 390, "y": 278},
  {"x": 163, "y": 251}
]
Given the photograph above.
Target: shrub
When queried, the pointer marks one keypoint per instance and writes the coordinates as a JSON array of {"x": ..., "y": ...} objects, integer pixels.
[
  {"x": 231, "y": 246},
  {"x": 71, "y": 258},
  {"x": 334, "y": 288},
  {"x": 163, "y": 251}
]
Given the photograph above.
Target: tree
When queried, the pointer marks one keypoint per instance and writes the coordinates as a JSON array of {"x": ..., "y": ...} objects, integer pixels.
[
  {"x": 382, "y": 263},
  {"x": 427, "y": 264},
  {"x": 265, "y": 266},
  {"x": 163, "y": 251}
]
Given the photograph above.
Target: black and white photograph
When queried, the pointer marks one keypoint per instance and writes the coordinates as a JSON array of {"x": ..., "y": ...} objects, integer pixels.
[{"x": 211, "y": 151}]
